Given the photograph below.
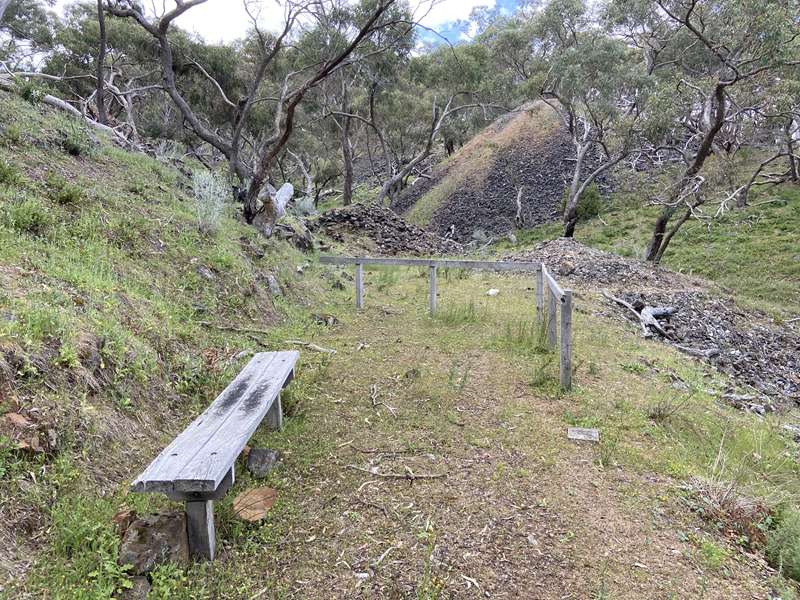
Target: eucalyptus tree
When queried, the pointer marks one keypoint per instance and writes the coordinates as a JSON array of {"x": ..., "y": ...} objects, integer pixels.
[
  {"x": 252, "y": 160},
  {"x": 720, "y": 57},
  {"x": 595, "y": 83},
  {"x": 26, "y": 30},
  {"x": 437, "y": 87}
]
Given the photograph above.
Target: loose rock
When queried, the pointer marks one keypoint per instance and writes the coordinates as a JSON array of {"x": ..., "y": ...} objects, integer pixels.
[
  {"x": 261, "y": 461},
  {"x": 155, "y": 539},
  {"x": 387, "y": 232}
]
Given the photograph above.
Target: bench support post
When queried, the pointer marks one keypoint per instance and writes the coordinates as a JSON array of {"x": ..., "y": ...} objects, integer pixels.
[
  {"x": 432, "y": 292},
  {"x": 200, "y": 529},
  {"x": 359, "y": 286},
  {"x": 275, "y": 415}
]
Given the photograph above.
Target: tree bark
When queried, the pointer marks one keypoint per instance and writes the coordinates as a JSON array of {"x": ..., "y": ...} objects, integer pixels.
[
  {"x": 102, "y": 116},
  {"x": 347, "y": 148},
  {"x": 573, "y": 196},
  {"x": 660, "y": 239},
  {"x": 788, "y": 132}
]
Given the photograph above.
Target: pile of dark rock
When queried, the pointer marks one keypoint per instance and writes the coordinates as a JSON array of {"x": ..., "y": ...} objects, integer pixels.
[
  {"x": 379, "y": 230},
  {"x": 748, "y": 346},
  {"x": 567, "y": 258}
]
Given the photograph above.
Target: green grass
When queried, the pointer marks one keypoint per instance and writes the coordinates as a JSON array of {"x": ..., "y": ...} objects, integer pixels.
[
  {"x": 107, "y": 320},
  {"x": 113, "y": 274}
]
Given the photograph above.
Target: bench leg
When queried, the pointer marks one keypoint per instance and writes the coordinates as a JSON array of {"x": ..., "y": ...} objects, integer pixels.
[
  {"x": 275, "y": 415},
  {"x": 200, "y": 529}
]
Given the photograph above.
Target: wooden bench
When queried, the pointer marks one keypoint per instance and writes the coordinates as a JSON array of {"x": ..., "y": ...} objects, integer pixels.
[{"x": 198, "y": 466}]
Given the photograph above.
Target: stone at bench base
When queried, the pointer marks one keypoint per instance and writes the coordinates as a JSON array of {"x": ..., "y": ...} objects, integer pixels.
[{"x": 153, "y": 539}]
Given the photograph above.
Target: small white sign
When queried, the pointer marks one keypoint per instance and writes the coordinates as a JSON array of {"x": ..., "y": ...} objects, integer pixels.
[{"x": 584, "y": 435}]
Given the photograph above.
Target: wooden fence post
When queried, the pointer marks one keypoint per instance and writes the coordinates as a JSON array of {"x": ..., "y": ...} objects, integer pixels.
[
  {"x": 433, "y": 289},
  {"x": 566, "y": 341},
  {"x": 359, "y": 286},
  {"x": 539, "y": 294},
  {"x": 552, "y": 318}
]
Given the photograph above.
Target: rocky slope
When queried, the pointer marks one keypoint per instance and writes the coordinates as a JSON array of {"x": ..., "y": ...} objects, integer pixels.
[{"x": 476, "y": 188}]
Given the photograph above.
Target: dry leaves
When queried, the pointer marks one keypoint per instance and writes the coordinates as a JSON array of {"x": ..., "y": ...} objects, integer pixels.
[{"x": 253, "y": 505}]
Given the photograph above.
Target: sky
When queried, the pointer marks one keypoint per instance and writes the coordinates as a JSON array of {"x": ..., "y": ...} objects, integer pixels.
[{"x": 226, "y": 20}]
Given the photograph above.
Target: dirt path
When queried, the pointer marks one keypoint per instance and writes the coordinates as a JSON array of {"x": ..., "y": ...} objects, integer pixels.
[{"x": 505, "y": 506}]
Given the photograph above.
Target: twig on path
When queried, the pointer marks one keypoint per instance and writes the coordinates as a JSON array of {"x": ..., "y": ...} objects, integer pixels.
[
  {"x": 311, "y": 346},
  {"x": 373, "y": 395},
  {"x": 389, "y": 451},
  {"x": 408, "y": 476},
  {"x": 236, "y": 329}
]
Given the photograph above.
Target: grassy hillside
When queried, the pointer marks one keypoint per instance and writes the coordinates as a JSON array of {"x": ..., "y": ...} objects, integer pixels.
[
  {"x": 113, "y": 309},
  {"x": 120, "y": 321}
]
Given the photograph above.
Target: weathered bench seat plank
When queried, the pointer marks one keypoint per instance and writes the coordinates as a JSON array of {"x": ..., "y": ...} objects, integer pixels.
[{"x": 200, "y": 458}]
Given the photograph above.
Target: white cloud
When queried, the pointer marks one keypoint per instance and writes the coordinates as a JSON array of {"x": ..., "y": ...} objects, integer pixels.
[{"x": 446, "y": 11}]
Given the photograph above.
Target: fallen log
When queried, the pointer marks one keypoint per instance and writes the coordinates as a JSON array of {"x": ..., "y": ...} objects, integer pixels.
[
  {"x": 698, "y": 352},
  {"x": 648, "y": 317}
]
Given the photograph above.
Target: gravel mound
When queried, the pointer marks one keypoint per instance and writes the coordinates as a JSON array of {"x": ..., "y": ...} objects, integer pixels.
[
  {"x": 568, "y": 258},
  {"x": 379, "y": 230},
  {"x": 747, "y": 345},
  {"x": 528, "y": 149}
]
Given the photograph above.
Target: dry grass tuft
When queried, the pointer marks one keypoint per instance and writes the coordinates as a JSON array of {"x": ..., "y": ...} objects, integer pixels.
[{"x": 723, "y": 504}]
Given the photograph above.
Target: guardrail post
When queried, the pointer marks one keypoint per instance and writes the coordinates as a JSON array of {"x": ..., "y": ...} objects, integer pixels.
[
  {"x": 552, "y": 318},
  {"x": 539, "y": 294},
  {"x": 359, "y": 286},
  {"x": 433, "y": 289},
  {"x": 566, "y": 341}
]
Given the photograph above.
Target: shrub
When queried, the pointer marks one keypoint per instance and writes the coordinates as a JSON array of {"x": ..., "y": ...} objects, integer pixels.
[
  {"x": 304, "y": 207},
  {"x": 12, "y": 135},
  {"x": 209, "y": 196},
  {"x": 62, "y": 191},
  {"x": 590, "y": 204},
  {"x": 76, "y": 142},
  {"x": 9, "y": 174},
  {"x": 32, "y": 92},
  {"x": 28, "y": 216},
  {"x": 783, "y": 544}
]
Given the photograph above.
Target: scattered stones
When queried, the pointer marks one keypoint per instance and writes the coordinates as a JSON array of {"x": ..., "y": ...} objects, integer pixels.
[
  {"x": 154, "y": 539},
  {"x": 747, "y": 345},
  {"x": 296, "y": 233},
  {"x": 325, "y": 319},
  {"x": 140, "y": 588},
  {"x": 261, "y": 461},
  {"x": 386, "y": 231},
  {"x": 273, "y": 285},
  {"x": 30, "y": 436},
  {"x": 568, "y": 258},
  {"x": 206, "y": 273}
]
